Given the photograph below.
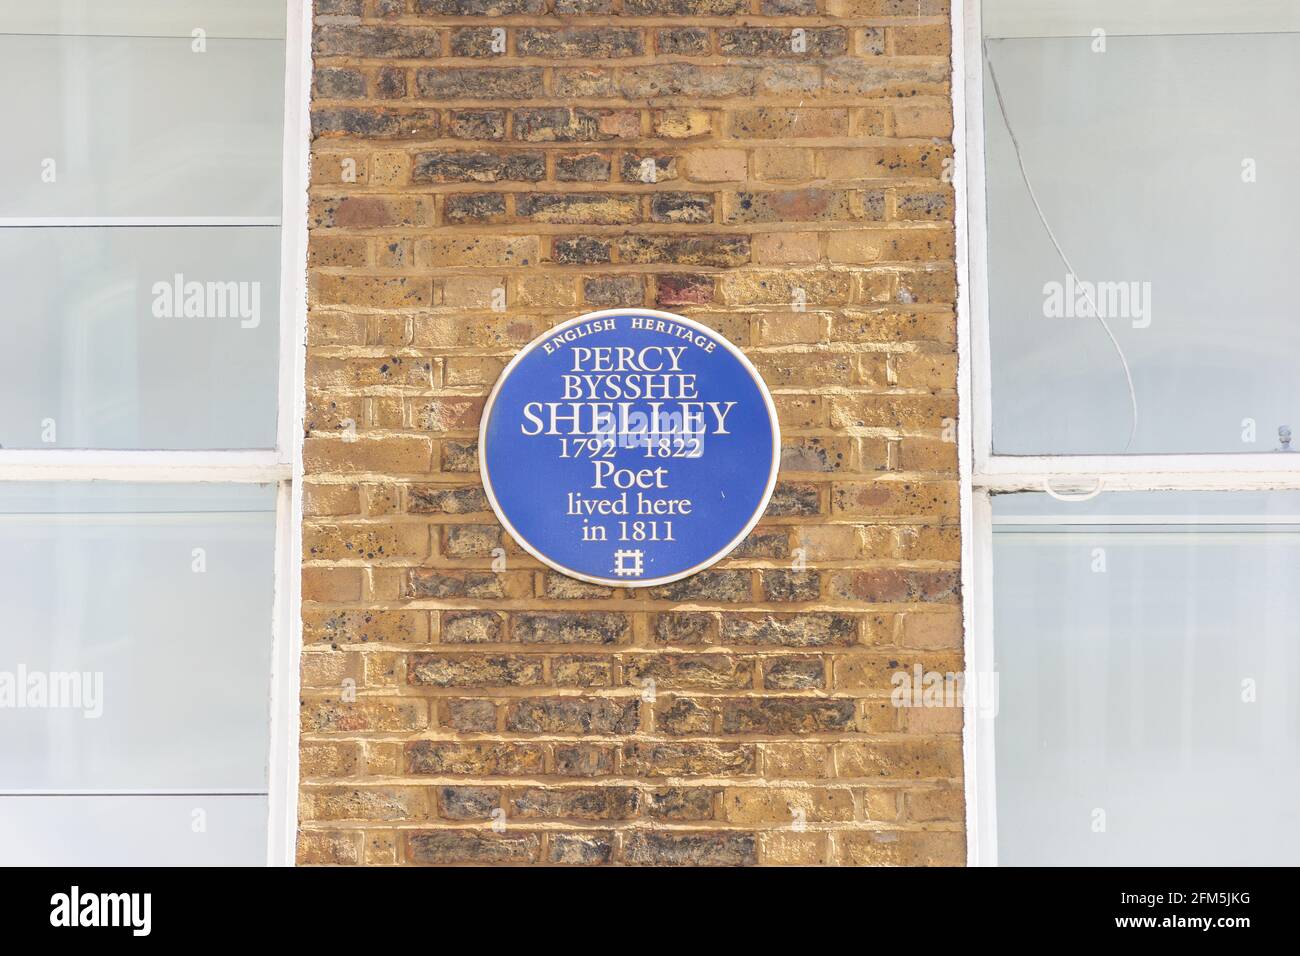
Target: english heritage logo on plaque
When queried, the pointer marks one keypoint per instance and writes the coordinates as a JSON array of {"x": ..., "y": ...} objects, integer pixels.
[{"x": 629, "y": 447}]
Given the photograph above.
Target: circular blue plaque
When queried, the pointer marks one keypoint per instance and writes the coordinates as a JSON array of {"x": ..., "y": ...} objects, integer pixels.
[{"x": 629, "y": 447}]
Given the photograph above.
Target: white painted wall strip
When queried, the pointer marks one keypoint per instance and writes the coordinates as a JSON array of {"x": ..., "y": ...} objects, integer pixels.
[{"x": 282, "y": 822}]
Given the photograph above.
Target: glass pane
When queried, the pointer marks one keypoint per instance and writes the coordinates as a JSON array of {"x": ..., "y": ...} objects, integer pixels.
[
  {"x": 133, "y": 831},
  {"x": 141, "y": 126},
  {"x": 137, "y": 636},
  {"x": 1164, "y": 174},
  {"x": 1149, "y": 675},
  {"x": 156, "y": 18},
  {"x": 106, "y": 348}
]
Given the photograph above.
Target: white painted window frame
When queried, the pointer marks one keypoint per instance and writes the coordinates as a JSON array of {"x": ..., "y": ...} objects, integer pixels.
[
  {"x": 984, "y": 473},
  {"x": 281, "y": 465}
]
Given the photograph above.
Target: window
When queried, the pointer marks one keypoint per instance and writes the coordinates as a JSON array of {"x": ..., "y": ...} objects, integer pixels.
[
  {"x": 1132, "y": 568},
  {"x": 152, "y": 228}
]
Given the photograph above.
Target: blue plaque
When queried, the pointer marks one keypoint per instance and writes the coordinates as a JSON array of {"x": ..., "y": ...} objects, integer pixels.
[{"x": 629, "y": 447}]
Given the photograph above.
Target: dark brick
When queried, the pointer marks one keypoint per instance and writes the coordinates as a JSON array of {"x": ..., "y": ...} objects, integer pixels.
[
  {"x": 585, "y": 42},
  {"x": 578, "y": 208},
  {"x": 477, "y": 124},
  {"x": 683, "y": 41},
  {"x": 559, "y": 124},
  {"x": 764, "y": 543},
  {"x": 460, "y": 456},
  {"x": 563, "y": 587},
  {"x": 671, "y": 848},
  {"x": 779, "y": 41},
  {"x": 461, "y": 208},
  {"x": 343, "y": 8},
  {"x": 444, "y": 500},
  {"x": 790, "y": 630},
  {"x": 440, "y": 670},
  {"x": 584, "y": 760},
  {"x": 791, "y": 585},
  {"x": 786, "y": 715},
  {"x": 707, "y": 586},
  {"x": 473, "y": 758},
  {"x": 683, "y": 290},
  {"x": 575, "y": 803},
  {"x": 436, "y": 583},
  {"x": 574, "y": 715},
  {"x": 591, "y": 627},
  {"x": 377, "y": 41},
  {"x": 476, "y": 42},
  {"x": 471, "y": 627},
  {"x": 572, "y": 82},
  {"x": 374, "y": 123},
  {"x": 689, "y": 759},
  {"x": 472, "y": 846},
  {"x": 390, "y": 83},
  {"x": 579, "y": 250},
  {"x": 794, "y": 673},
  {"x": 505, "y": 83},
  {"x": 470, "y": 716},
  {"x": 690, "y": 670},
  {"x": 692, "y": 250},
  {"x": 685, "y": 627},
  {"x": 680, "y": 803},
  {"x": 449, "y": 166},
  {"x": 609, "y": 291},
  {"x": 338, "y": 83},
  {"x": 639, "y": 167},
  {"x": 788, "y": 8},
  {"x": 570, "y": 671},
  {"x": 792, "y": 499},
  {"x": 470, "y": 540},
  {"x": 681, "y": 207},
  {"x": 581, "y": 849},
  {"x": 479, "y": 8},
  {"x": 468, "y": 803},
  {"x": 681, "y": 715},
  {"x": 685, "y": 8},
  {"x": 582, "y": 167}
]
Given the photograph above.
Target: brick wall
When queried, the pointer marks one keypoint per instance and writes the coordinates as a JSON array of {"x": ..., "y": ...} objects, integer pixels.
[{"x": 483, "y": 169}]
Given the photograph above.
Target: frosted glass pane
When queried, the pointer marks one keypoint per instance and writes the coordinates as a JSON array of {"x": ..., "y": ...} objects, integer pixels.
[
  {"x": 218, "y": 18},
  {"x": 1149, "y": 674},
  {"x": 83, "y": 346},
  {"x": 141, "y": 126},
  {"x": 132, "y": 831},
  {"x": 1165, "y": 173},
  {"x": 137, "y": 636},
  {"x": 1004, "y": 18}
]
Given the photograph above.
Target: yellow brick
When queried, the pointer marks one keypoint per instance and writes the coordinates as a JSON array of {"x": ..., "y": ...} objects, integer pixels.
[
  {"x": 791, "y": 848},
  {"x": 795, "y": 248},
  {"x": 717, "y": 165}
]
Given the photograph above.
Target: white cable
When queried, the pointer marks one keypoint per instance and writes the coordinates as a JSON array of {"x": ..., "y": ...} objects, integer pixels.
[
  {"x": 1042, "y": 217},
  {"x": 1083, "y": 496}
]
